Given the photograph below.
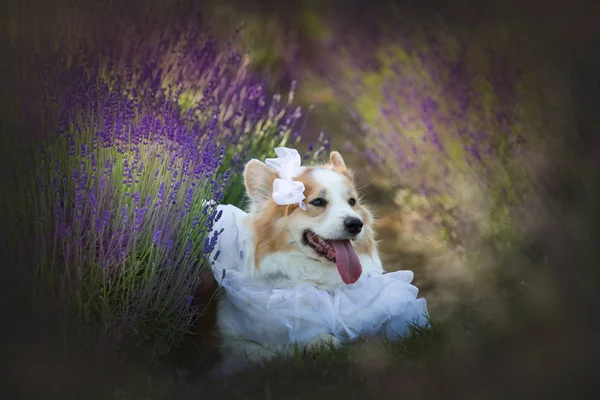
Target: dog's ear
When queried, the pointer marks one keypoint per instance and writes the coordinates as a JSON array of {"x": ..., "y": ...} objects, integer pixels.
[
  {"x": 338, "y": 162},
  {"x": 258, "y": 179}
]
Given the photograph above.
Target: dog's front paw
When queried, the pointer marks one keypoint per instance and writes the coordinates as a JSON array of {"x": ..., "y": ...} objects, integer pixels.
[{"x": 321, "y": 342}]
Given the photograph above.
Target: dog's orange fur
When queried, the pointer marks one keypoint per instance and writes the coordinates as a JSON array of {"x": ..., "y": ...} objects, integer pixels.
[{"x": 268, "y": 231}]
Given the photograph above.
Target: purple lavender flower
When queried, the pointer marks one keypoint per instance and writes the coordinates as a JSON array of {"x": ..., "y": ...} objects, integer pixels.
[
  {"x": 136, "y": 199},
  {"x": 124, "y": 214},
  {"x": 208, "y": 248},
  {"x": 139, "y": 218},
  {"x": 161, "y": 195},
  {"x": 106, "y": 219},
  {"x": 188, "y": 249},
  {"x": 108, "y": 166},
  {"x": 156, "y": 237},
  {"x": 195, "y": 222},
  {"x": 94, "y": 203},
  {"x": 188, "y": 199}
]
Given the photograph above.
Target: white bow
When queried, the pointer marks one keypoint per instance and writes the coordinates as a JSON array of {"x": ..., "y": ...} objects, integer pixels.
[{"x": 285, "y": 189}]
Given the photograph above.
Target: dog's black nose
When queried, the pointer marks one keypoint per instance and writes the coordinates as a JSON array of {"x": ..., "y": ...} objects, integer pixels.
[{"x": 353, "y": 225}]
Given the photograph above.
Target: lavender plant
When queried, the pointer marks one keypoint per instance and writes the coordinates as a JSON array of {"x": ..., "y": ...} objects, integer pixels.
[
  {"x": 187, "y": 68},
  {"x": 121, "y": 224},
  {"x": 119, "y": 201}
]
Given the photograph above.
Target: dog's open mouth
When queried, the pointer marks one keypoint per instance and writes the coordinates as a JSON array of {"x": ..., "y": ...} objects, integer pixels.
[{"x": 339, "y": 251}]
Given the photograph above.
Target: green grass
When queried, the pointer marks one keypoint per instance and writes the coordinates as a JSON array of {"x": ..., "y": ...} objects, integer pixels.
[{"x": 348, "y": 366}]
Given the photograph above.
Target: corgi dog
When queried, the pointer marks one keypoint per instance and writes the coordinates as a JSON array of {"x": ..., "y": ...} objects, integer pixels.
[{"x": 328, "y": 241}]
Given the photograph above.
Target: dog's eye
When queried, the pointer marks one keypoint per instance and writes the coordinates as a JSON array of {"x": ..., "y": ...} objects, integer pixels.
[
  {"x": 352, "y": 202},
  {"x": 319, "y": 202}
]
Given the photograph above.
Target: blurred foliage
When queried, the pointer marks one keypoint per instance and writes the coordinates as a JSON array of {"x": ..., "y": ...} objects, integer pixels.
[
  {"x": 345, "y": 62},
  {"x": 451, "y": 118},
  {"x": 320, "y": 46}
]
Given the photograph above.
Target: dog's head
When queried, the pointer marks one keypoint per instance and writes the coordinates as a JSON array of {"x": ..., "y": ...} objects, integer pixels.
[{"x": 333, "y": 230}]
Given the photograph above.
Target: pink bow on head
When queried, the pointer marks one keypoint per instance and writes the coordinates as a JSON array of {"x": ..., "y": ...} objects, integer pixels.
[{"x": 288, "y": 165}]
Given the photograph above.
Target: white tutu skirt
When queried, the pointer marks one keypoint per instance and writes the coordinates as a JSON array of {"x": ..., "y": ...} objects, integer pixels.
[{"x": 273, "y": 312}]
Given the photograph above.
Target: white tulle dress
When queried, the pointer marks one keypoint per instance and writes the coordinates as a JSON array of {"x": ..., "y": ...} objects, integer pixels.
[{"x": 278, "y": 313}]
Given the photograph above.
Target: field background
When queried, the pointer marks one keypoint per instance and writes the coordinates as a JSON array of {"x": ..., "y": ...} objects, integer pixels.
[{"x": 508, "y": 259}]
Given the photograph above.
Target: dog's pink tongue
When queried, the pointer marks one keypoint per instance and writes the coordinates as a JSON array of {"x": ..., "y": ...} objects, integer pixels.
[{"x": 347, "y": 261}]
